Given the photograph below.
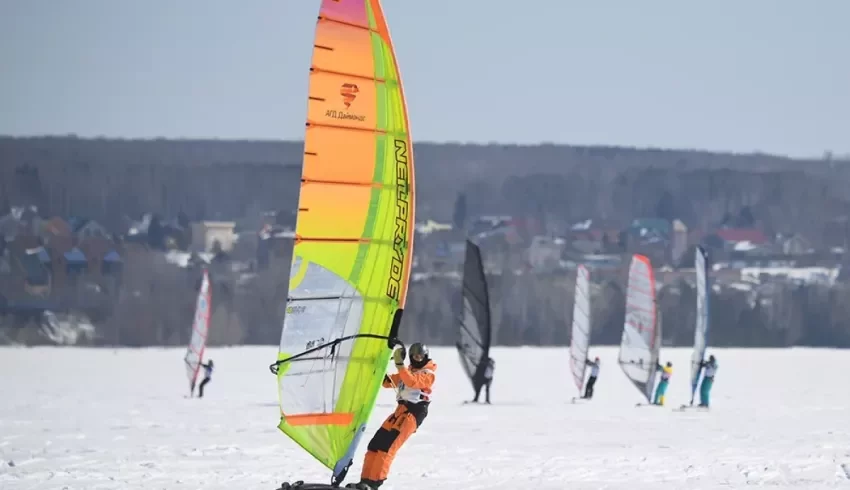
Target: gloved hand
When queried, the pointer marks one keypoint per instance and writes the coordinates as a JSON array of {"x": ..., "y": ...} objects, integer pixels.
[{"x": 398, "y": 356}]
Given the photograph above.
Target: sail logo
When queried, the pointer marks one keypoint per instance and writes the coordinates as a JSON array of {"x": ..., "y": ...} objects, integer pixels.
[
  {"x": 402, "y": 195},
  {"x": 294, "y": 310},
  {"x": 315, "y": 343},
  {"x": 349, "y": 92}
]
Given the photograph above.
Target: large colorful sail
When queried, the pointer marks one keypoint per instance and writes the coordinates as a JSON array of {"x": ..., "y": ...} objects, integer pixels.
[
  {"x": 580, "y": 336},
  {"x": 701, "y": 328},
  {"x": 200, "y": 328},
  {"x": 641, "y": 341},
  {"x": 353, "y": 238},
  {"x": 474, "y": 329}
]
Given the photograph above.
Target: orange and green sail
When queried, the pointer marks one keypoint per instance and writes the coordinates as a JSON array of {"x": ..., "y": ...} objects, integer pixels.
[{"x": 353, "y": 238}]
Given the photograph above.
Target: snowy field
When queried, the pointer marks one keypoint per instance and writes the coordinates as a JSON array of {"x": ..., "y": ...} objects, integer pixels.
[{"x": 73, "y": 418}]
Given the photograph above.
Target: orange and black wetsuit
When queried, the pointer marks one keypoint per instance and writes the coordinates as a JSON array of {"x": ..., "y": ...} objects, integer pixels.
[{"x": 413, "y": 386}]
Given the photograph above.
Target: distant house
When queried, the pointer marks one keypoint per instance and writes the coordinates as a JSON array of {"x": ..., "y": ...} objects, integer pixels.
[
  {"x": 679, "y": 241},
  {"x": 21, "y": 220},
  {"x": 795, "y": 245},
  {"x": 206, "y": 233},
  {"x": 89, "y": 229},
  {"x": 650, "y": 237},
  {"x": 59, "y": 242},
  {"x": 483, "y": 227},
  {"x": 545, "y": 252},
  {"x": 97, "y": 246},
  {"x": 431, "y": 226},
  {"x": 729, "y": 238},
  {"x": 29, "y": 267},
  {"x": 593, "y": 236}
]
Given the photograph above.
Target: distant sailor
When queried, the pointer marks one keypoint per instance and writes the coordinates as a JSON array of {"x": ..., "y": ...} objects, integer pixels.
[
  {"x": 666, "y": 373},
  {"x": 591, "y": 380},
  {"x": 208, "y": 369},
  {"x": 413, "y": 393},
  {"x": 710, "y": 367},
  {"x": 485, "y": 380}
]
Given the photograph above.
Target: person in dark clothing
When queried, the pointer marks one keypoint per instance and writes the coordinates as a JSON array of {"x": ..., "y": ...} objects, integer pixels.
[
  {"x": 208, "y": 369},
  {"x": 710, "y": 367},
  {"x": 591, "y": 380},
  {"x": 485, "y": 380}
]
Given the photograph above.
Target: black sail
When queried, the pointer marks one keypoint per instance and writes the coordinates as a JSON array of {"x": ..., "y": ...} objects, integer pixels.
[{"x": 474, "y": 329}]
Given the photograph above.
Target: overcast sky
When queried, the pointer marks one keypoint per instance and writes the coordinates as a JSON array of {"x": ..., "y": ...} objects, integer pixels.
[{"x": 725, "y": 75}]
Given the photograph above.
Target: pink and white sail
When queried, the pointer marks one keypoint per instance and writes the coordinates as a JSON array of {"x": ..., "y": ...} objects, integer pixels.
[{"x": 200, "y": 328}]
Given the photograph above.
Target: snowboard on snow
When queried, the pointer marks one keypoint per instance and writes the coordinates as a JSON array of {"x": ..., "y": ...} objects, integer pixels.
[{"x": 300, "y": 485}]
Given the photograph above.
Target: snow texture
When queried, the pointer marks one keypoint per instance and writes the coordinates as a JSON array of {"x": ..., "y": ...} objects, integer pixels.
[{"x": 74, "y": 418}]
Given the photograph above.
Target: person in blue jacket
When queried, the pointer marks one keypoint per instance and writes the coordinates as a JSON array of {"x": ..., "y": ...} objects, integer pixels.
[{"x": 666, "y": 374}]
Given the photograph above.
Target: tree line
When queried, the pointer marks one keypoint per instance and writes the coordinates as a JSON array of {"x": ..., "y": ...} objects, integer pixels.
[{"x": 108, "y": 180}]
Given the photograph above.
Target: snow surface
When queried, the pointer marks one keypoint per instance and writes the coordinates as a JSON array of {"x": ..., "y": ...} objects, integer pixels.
[{"x": 75, "y": 418}]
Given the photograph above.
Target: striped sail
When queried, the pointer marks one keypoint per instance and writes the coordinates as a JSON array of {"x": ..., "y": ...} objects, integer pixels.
[
  {"x": 200, "y": 328},
  {"x": 353, "y": 238},
  {"x": 641, "y": 340}
]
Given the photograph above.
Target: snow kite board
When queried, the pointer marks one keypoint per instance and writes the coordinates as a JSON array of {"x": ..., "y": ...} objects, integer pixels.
[
  {"x": 648, "y": 405},
  {"x": 578, "y": 399}
]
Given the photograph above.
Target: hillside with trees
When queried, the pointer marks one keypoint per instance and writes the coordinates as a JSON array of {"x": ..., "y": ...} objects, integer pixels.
[{"x": 112, "y": 181}]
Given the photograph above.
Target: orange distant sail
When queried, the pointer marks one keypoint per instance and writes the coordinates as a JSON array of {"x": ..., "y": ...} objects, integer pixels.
[{"x": 353, "y": 238}]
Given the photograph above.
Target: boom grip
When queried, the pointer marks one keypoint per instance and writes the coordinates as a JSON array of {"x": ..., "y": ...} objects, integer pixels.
[{"x": 393, "y": 341}]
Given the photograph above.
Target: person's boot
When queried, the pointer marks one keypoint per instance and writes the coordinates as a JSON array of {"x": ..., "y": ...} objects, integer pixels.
[{"x": 365, "y": 484}]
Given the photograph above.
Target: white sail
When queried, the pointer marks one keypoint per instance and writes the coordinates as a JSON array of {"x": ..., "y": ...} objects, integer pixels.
[
  {"x": 200, "y": 328},
  {"x": 641, "y": 340},
  {"x": 580, "y": 336},
  {"x": 701, "y": 328}
]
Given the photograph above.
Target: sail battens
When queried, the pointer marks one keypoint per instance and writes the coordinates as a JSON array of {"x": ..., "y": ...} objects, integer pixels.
[
  {"x": 332, "y": 239},
  {"x": 641, "y": 339},
  {"x": 376, "y": 185},
  {"x": 346, "y": 23},
  {"x": 350, "y": 75},
  {"x": 353, "y": 239},
  {"x": 311, "y": 124},
  {"x": 318, "y": 419},
  {"x": 313, "y": 298}
]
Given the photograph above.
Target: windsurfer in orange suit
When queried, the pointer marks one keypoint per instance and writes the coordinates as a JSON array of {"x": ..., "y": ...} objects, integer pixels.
[{"x": 413, "y": 393}]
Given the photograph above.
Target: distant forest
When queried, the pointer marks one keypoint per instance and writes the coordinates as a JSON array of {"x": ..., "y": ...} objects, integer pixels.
[{"x": 109, "y": 180}]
